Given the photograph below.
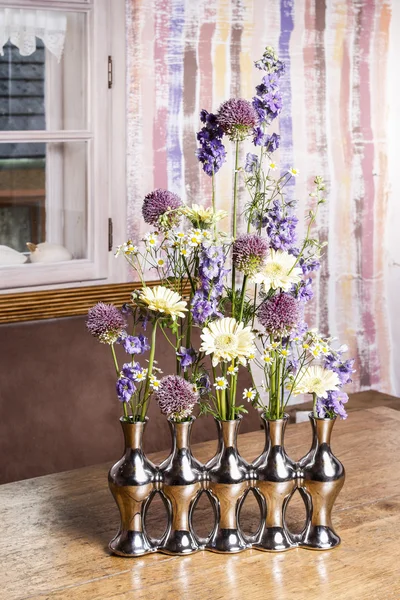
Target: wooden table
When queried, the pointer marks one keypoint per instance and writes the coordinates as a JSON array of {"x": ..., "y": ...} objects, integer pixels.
[{"x": 55, "y": 529}]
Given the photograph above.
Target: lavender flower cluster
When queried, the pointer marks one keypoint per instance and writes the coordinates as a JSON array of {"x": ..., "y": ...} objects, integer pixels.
[
  {"x": 268, "y": 100},
  {"x": 212, "y": 153},
  {"x": 333, "y": 404},
  {"x": 211, "y": 276},
  {"x": 280, "y": 226}
]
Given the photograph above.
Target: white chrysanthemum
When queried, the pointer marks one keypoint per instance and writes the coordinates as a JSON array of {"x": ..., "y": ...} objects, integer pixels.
[
  {"x": 249, "y": 394},
  {"x": 203, "y": 214},
  {"x": 163, "y": 300},
  {"x": 226, "y": 339},
  {"x": 316, "y": 380},
  {"x": 278, "y": 271}
]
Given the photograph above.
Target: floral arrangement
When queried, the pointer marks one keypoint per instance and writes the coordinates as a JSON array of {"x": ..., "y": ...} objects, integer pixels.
[{"x": 247, "y": 292}]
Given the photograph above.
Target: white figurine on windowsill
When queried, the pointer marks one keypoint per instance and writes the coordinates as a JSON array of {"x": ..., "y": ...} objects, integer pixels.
[
  {"x": 48, "y": 253},
  {"x": 9, "y": 256}
]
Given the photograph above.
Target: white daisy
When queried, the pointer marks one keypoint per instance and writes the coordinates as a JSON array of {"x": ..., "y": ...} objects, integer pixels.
[
  {"x": 221, "y": 383},
  {"x": 273, "y": 166},
  {"x": 278, "y": 271},
  {"x": 232, "y": 370},
  {"x": 316, "y": 380},
  {"x": 163, "y": 300},
  {"x": 226, "y": 339},
  {"x": 249, "y": 394},
  {"x": 294, "y": 171},
  {"x": 151, "y": 240}
]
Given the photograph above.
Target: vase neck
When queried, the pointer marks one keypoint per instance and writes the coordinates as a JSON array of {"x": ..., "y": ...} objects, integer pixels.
[
  {"x": 180, "y": 433},
  {"x": 275, "y": 431},
  {"x": 322, "y": 430},
  {"x": 228, "y": 431},
  {"x": 133, "y": 434}
]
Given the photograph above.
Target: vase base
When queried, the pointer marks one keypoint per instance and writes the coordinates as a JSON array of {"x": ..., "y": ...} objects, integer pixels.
[
  {"x": 180, "y": 542},
  {"x": 319, "y": 537},
  {"x": 227, "y": 541},
  {"x": 131, "y": 543},
  {"x": 274, "y": 539}
]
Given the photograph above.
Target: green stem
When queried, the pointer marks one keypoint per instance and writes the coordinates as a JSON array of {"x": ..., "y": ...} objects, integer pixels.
[
  {"x": 117, "y": 372},
  {"x": 189, "y": 275},
  {"x": 315, "y": 405},
  {"x": 149, "y": 372},
  {"x": 243, "y": 297},
  {"x": 234, "y": 223}
]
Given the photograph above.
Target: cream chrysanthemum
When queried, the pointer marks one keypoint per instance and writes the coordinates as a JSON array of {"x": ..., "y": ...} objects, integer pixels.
[
  {"x": 278, "y": 271},
  {"x": 201, "y": 214},
  {"x": 163, "y": 300},
  {"x": 227, "y": 340},
  {"x": 316, "y": 380}
]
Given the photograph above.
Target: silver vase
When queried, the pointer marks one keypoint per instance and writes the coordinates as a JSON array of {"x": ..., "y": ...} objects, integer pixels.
[
  {"x": 275, "y": 480},
  {"x": 228, "y": 479},
  {"x": 182, "y": 482},
  {"x": 320, "y": 478},
  {"x": 132, "y": 481}
]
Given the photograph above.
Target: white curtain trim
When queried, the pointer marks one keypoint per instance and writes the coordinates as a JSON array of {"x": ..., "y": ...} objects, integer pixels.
[{"x": 22, "y": 27}]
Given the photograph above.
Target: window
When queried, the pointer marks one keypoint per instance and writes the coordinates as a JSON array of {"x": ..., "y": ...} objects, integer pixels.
[{"x": 56, "y": 143}]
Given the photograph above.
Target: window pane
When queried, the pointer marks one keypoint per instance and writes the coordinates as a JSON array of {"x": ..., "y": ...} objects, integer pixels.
[
  {"x": 43, "y": 191},
  {"x": 47, "y": 88}
]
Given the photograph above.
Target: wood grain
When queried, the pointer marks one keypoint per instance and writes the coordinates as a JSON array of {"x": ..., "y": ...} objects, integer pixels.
[{"x": 55, "y": 530}]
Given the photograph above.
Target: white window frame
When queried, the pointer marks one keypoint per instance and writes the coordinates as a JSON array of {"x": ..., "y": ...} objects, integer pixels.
[{"x": 105, "y": 137}]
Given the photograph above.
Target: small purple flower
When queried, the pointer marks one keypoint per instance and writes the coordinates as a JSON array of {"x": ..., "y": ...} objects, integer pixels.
[
  {"x": 249, "y": 253},
  {"x": 129, "y": 370},
  {"x": 131, "y": 344},
  {"x": 176, "y": 397},
  {"x": 237, "y": 118},
  {"x": 270, "y": 62},
  {"x": 202, "y": 308},
  {"x": 272, "y": 142},
  {"x": 187, "y": 357},
  {"x": 281, "y": 227},
  {"x": 304, "y": 290},
  {"x": 105, "y": 322},
  {"x": 158, "y": 203},
  {"x": 343, "y": 368},
  {"x": 251, "y": 163},
  {"x": 332, "y": 405},
  {"x": 212, "y": 153},
  {"x": 204, "y": 384},
  {"x": 309, "y": 265},
  {"x": 279, "y": 314},
  {"x": 125, "y": 389}
]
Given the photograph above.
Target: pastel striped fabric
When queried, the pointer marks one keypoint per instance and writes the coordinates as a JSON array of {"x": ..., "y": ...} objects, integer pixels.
[{"x": 340, "y": 120}]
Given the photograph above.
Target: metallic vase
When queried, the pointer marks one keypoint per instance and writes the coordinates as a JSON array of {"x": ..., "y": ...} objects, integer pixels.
[
  {"x": 320, "y": 478},
  {"x": 182, "y": 476},
  {"x": 132, "y": 481},
  {"x": 228, "y": 479},
  {"x": 275, "y": 480}
]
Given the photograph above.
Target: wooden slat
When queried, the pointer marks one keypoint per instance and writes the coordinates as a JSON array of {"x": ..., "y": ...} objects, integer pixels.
[{"x": 51, "y": 304}]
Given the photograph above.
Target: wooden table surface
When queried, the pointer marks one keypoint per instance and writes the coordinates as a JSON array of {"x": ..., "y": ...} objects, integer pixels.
[{"x": 55, "y": 529}]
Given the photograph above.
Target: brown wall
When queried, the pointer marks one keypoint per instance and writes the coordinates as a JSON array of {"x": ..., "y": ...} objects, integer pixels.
[{"x": 58, "y": 406}]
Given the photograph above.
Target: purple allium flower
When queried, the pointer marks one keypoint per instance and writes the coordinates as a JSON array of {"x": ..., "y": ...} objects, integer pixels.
[
  {"x": 249, "y": 253},
  {"x": 237, "y": 118},
  {"x": 105, "y": 322},
  {"x": 125, "y": 389},
  {"x": 212, "y": 153},
  {"x": 279, "y": 314},
  {"x": 159, "y": 202},
  {"x": 187, "y": 357},
  {"x": 251, "y": 163},
  {"x": 332, "y": 405},
  {"x": 176, "y": 397}
]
